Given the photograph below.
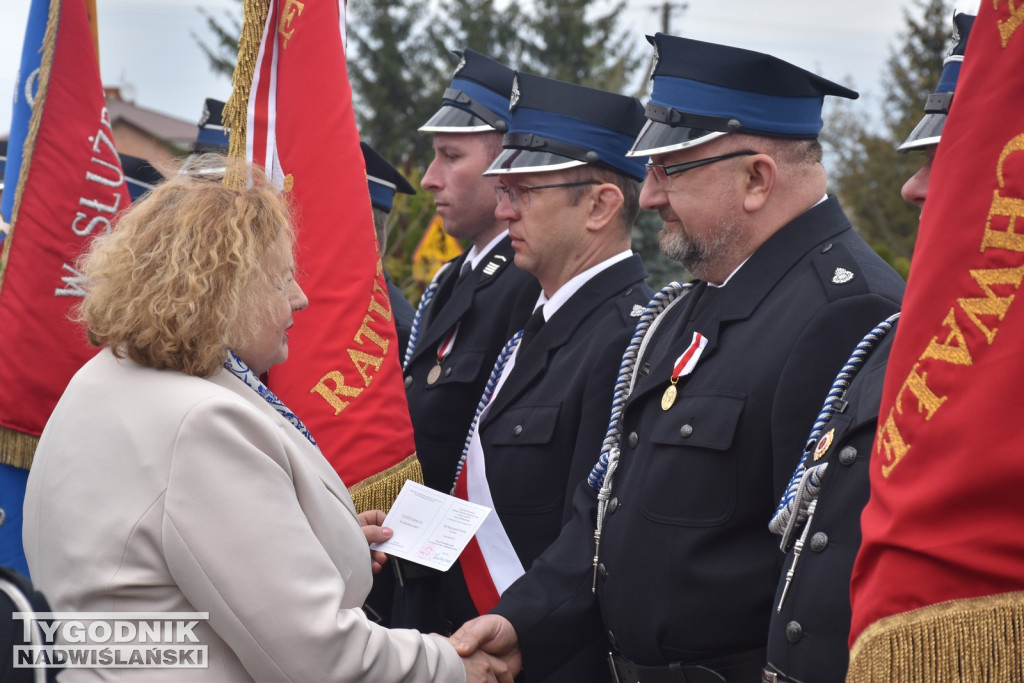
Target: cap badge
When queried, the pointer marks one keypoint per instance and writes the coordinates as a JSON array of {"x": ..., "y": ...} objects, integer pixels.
[
  {"x": 513, "y": 101},
  {"x": 654, "y": 62},
  {"x": 460, "y": 67},
  {"x": 841, "y": 276},
  {"x": 823, "y": 443}
]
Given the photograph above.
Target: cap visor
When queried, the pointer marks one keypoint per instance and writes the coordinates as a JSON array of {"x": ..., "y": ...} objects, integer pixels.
[
  {"x": 659, "y": 138},
  {"x": 529, "y": 161},
  {"x": 927, "y": 132},
  {"x": 450, "y": 119}
]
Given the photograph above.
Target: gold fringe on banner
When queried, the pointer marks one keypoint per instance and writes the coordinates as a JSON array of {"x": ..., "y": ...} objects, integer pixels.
[
  {"x": 976, "y": 639},
  {"x": 379, "y": 491},
  {"x": 17, "y": 448},
  {"x": 235, "y": 109},
  {"x": 45, "y": 68}
]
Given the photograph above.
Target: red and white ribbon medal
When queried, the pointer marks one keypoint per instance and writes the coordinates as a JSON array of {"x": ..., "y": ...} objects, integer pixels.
[
  {"x": 442, "y": 352},
  {"x": 684, "y": 365}
]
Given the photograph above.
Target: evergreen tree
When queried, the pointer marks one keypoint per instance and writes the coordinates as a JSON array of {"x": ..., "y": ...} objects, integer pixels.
[
  {"x": 563, "y": 42},
  {"x": 867, "y": 170},
  {"x": 224, "y": 53},
  {"x": 397, "y": 75}
]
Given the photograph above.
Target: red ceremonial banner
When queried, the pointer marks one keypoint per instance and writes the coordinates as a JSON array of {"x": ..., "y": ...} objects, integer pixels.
[
  {"x": 70, "y": 188},
  {"x": 342, "y": 377},
  {"x": 945, "y": 515}
]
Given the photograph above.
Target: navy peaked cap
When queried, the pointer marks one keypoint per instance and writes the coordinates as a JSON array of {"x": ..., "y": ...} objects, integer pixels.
[
  {"x": 139, "y": 174},
  {"x": 702, "y": 91},
  {"x": 477, "y": 99},
  {"x": 558, "y": 125},
  {"x": 928, "y": 131},
  {"x": 383, "y": 179},
  {"x": 211, "y": 136}
]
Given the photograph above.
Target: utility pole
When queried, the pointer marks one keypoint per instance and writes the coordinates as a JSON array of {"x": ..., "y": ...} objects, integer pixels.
[{"x": 665, "y": 9}]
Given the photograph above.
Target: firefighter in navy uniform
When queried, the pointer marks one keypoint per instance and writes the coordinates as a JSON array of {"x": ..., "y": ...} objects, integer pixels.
[
  {"x": 810, "y": 627},
  {"x": 668, "y": 552},
  {"x": 571, "y": 196},
  {"x": 469, "y": 311}
]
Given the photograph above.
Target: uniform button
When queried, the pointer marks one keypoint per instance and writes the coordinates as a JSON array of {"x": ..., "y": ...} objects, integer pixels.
[
  {"x": 848, "y": 455},
  {"x": 611, "y": 639},
  {"x": 634, "y": 439},
  {"x": 685, "y": 431},
  {"x": 602, "y": 571},
  {"x": 408, "y": 381},
  {"x": 517, "y": 430},
  {"x": 827, "y": 248},
  {"x": 447, "y": 372},
  {"x": 794, "y": 631},
  {"x": 819, "y": 541},
  {"x": 613, "y": 505}
]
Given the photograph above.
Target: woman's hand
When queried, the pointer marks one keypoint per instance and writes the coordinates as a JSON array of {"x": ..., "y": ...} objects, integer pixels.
[{"x": 371, "y": 522}]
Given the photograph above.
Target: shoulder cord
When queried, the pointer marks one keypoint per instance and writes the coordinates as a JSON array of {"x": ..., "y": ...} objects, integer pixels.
[
  {"x": 602, "y": 475},
  {"x": 492, "y": 381},
  {"x": 804, "y": 485},
  {"x": 801, "y": 497},
  {"x": 414, "y": 330}
]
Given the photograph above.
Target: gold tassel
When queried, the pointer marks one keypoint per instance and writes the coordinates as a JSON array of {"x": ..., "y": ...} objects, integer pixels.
[
  {"x": 975, "y": 639},
  {"x": 45, "y": 68},
  {"x": 17, "y": 448},
  {"x": 235, "y": 109},
  {"x": 379, "y": 491}
]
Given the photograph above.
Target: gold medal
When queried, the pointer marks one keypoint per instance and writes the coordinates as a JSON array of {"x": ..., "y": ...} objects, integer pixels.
[
  {"x": 434, "y": 374},
  {"x": 669, "y": 397}
]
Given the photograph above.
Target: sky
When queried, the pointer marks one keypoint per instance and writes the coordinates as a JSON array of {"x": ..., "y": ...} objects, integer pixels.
[{"x": 148, "y": 49}]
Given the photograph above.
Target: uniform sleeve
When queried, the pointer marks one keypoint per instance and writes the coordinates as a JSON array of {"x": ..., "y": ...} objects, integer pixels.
[
  {"x": 239, "y": 546},
  {"x": 551, "y": 607}
]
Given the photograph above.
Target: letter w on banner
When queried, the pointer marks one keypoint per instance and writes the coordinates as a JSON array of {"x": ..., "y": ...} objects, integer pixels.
[
  {"x": 342, "y": 377},
  {"x": 63, "y": 185},
  {"x": 942, "y": 558}
]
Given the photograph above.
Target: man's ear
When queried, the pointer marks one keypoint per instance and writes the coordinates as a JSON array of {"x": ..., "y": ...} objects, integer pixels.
[
  {"x": 761, "y": 176},
  {"x": 605, "y": 203}
]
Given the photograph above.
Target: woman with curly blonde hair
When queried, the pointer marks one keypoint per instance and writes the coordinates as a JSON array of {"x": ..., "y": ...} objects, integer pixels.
[{"x": 169, "y": 479}]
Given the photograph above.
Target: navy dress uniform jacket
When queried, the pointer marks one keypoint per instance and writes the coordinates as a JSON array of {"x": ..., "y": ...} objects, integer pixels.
[
  {"x": 544, "y": 429},
  {"x": 807, "y": 639},
  {"x": 688, "y": 566},
  {"x": 485, "y": 303},
  {"x": 490, "y": 304}
]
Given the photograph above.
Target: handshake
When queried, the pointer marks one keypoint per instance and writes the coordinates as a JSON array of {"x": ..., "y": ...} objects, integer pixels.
[{"x": 489, "y": 648}]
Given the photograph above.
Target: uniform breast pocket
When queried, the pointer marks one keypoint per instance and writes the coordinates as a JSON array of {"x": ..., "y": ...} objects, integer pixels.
[
  {"x": 690, "y": 476},
  {"x": 461, "y": 368},
  {"x": 527, "y": 475}
]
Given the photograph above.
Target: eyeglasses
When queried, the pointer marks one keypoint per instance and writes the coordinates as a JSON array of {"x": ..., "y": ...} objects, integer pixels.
[
  {"x": 663, "y": 174},
  {"x": 519, "y": 195}
]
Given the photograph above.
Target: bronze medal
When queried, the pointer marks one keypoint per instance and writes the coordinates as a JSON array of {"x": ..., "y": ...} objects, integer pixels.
[
  {"x": 434, "y": 374},
  {"x": 669, "y": 397}
]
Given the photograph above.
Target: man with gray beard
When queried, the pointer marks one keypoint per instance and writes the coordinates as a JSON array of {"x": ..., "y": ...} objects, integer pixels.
[{"x": 669, "y": 553}]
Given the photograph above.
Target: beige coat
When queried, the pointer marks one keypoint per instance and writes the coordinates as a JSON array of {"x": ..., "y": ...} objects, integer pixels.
[{"x": 155, "y": 491}]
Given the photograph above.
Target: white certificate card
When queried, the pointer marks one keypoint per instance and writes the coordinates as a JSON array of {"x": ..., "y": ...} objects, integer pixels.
[{"x": 431, "y": 528}]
